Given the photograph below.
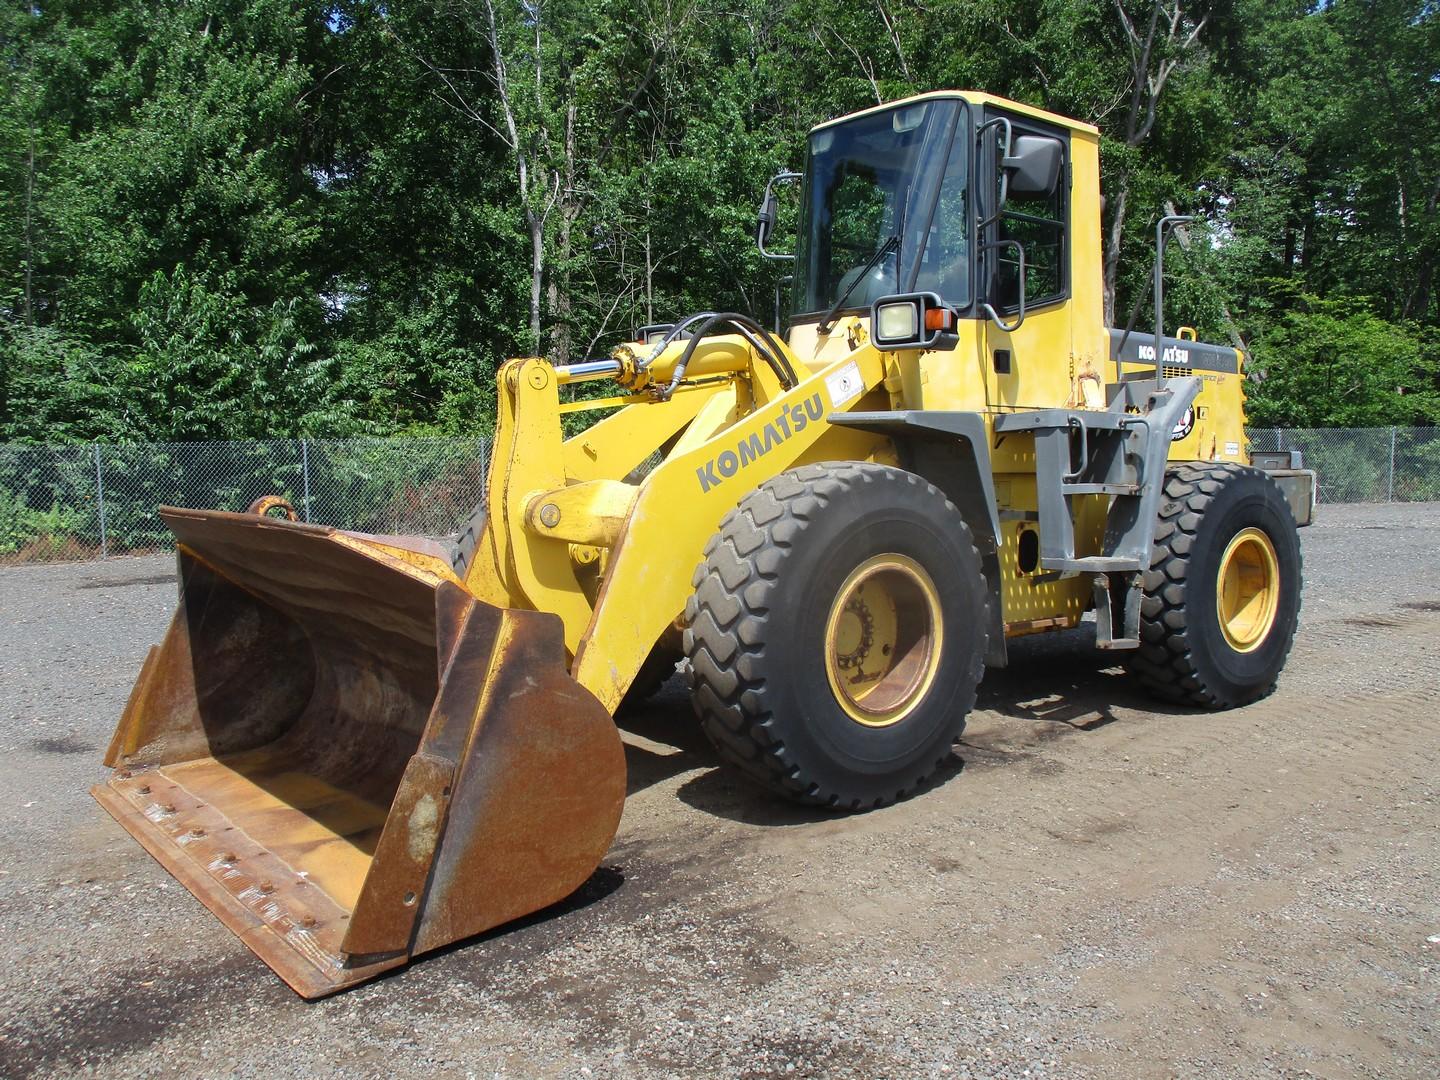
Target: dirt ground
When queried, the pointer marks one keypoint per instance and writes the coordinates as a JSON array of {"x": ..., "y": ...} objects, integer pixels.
[{"x": 1094, "y": 887}]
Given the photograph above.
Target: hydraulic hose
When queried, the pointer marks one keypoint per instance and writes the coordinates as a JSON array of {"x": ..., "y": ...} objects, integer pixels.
[{"x": 748, "y": 328}]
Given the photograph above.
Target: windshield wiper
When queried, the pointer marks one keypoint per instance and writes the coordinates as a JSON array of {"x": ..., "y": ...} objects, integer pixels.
[{"x": 891, "y": 244}]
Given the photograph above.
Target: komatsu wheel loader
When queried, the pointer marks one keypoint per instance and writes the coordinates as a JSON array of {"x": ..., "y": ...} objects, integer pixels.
[{"x": 355, "y": 748}]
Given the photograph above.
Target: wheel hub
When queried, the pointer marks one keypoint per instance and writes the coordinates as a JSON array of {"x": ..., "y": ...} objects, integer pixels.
[
  {"x": 1247, "y": 591},
  {"x": 882, "y": 640}
]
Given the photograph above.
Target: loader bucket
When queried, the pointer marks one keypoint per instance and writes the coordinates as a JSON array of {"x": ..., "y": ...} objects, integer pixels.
[{"x": 351, "y": 760}]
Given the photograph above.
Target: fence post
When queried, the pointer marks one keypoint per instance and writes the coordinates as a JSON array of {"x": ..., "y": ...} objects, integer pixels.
[
  {"x": 100, "y": 502},
  {"x": 1390, "y": 490},
  {"x": 305, "y": 473}
]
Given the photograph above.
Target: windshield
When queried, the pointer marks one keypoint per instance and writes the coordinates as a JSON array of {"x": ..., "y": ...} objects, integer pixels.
[{"x": 902, "y": 173}]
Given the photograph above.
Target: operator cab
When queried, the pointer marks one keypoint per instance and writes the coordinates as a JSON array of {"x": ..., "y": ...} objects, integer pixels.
[{"x": 948, "y": 201}]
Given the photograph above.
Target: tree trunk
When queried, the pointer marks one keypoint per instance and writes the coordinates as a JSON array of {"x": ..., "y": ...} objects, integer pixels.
[
  {"x": 537, "y": 267},
  {"x": 29, "y": 229},
  {"x": 561, "y": 303},
  {"x": 649, "y": 269},
  {"x": 1112, "y": 248}
]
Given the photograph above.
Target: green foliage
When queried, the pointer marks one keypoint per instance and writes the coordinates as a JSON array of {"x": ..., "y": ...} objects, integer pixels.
[
  {"x": 43, "y": 534},
  {"x": 261, "y": 218},
  {"x": 1334, "y": 364}
]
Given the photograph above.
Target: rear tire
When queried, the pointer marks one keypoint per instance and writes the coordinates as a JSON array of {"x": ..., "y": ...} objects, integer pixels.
[
  {"x": 819, "y": 574},
  {"x": 1222, "y": 595}
]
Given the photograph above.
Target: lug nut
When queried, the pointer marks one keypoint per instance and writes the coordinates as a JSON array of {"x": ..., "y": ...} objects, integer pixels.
[
  {"x": 228, "y": 857},
  {"x": 267, "y": 886},
  {"x": 168, "y": 807},
  {"x": 308, "y": 921},
  {"x": 144, "y": 789},
  {"x": 197, "y": 831}
]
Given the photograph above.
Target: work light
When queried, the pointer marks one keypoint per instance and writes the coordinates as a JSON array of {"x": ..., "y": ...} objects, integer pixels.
[{"x": 912, "y": 321}]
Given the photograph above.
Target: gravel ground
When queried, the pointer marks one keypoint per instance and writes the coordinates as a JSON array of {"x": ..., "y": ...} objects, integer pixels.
[{"x": 1094, "y": 887}]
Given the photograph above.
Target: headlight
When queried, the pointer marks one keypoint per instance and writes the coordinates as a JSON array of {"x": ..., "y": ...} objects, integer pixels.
[
  {"x": 898, "y": 321},
  {"x": 912, "y": 321}
]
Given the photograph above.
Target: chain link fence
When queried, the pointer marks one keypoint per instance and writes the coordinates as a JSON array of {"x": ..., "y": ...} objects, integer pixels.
[
  {"x": 1360, "y": 465},
  {"x": 93, "y": 501}
]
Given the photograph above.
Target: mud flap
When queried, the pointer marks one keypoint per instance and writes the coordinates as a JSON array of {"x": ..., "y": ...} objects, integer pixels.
[{"x": 351, "y": 760}]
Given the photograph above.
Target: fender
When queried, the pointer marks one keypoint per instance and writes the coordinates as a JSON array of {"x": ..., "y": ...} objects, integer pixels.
[{"x": 952, "y": 451}]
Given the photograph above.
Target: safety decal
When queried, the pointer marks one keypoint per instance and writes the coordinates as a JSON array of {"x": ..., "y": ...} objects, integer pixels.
[
  {"x": 1185, "y": 426},
  {"x": 844, "y": 385}
]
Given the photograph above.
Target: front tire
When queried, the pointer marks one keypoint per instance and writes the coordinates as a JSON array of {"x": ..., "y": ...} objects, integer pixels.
[
  {"x": 837, "y": 633},
  {"x": 1222, "y": 595}
]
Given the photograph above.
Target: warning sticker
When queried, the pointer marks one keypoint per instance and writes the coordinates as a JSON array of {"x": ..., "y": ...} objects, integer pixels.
[{"x": 844, "y": 385}]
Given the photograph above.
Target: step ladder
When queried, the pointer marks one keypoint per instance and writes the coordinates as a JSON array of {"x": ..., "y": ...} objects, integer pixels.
[{"x": 1119, "y": 452}]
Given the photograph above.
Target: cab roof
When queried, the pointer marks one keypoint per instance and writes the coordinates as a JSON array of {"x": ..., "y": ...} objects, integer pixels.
[{"x": 974, "y": 97}]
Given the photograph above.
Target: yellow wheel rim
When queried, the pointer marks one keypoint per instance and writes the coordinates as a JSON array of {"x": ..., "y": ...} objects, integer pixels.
[
  {"x": 1247, "y": 593},
  {"x": 882, "y": 640}
]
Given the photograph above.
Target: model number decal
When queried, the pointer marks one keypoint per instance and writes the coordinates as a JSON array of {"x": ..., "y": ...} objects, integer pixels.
[{"x": 790, "y": 422}]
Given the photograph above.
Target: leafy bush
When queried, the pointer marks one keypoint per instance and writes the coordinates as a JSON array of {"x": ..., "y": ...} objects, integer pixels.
[{"x": 1335, "y": 364}]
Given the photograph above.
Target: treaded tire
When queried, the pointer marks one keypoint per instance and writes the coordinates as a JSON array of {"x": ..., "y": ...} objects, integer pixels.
[
  {"x": 755, "y": 635},
  {"x": 1184, "y": 656}
]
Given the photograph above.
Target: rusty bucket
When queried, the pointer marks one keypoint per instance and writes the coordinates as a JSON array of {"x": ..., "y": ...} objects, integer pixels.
[{"x": 351, "y": 760}]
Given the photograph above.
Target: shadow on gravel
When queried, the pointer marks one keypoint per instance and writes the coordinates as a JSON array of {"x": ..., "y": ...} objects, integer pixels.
[
  {"x": 523, "y": 938},
  {"x": 64, "y": 744},
  {"x": 1063, "y": 679},
  {"x": 125, "y": 583},
  {"x": 118, "y": 1013},
  {"x": 1055, "y": 685}
]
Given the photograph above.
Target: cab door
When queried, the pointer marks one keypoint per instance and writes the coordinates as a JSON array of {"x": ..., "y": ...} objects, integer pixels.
[{"x": 1025, "y": 237}]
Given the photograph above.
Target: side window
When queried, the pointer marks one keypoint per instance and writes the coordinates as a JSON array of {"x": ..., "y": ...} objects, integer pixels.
[{"x": 1038, "y": 222}]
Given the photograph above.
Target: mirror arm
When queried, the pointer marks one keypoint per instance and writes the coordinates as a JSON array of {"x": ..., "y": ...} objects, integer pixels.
[
  {"x": 1000, "y": 121},
  {"x": 768, "y": 204},
  {"x": 990, "y": 312}
]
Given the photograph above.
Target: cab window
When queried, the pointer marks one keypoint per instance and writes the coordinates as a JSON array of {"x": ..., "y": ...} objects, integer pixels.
[{"x": 1039, "y": 222}]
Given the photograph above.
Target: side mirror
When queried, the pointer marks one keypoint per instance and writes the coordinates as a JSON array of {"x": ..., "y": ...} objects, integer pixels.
[
  {"x": 765, "y": 217},
  {"x": 768, "y": 214},
  {"x": 1033, "y": 165}
]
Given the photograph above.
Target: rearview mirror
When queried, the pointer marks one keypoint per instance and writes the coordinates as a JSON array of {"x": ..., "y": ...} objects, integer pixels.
[
  {"x": 768, "y": 214},
  {"x": 1033, "y": 165},
  {"x": 765, "y": 217}
]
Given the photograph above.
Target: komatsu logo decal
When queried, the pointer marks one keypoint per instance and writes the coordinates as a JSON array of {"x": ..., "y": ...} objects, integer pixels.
[
  {"x": 1173, "y": 354},
  {"x": 790, "y": 422}
]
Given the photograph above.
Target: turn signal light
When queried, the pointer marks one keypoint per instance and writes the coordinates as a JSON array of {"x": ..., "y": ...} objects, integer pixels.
[{"x": 939, "y": 318}]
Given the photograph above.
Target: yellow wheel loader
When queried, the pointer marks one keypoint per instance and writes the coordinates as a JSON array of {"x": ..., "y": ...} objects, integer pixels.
[{"x": 355, "y": 748}]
